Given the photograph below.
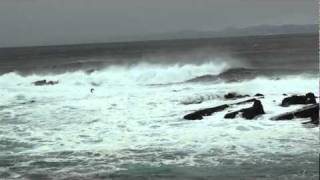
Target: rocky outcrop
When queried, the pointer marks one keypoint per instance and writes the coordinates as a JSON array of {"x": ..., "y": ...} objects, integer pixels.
[
  {"x": 198, "y": 115},
  {"x": 45, "y": 82},
  {"x": 311, "y": 111},
  {"x": 295, "y": 99},
  {"x": 248, "y": 113}
]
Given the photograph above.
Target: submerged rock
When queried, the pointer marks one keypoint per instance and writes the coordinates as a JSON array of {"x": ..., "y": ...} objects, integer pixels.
[
  {"x": 248, "y": 113},
  {"x": 45, "y": 82},
  {"x": 234, "y": 95},
  {"x": 259, "y": 95},
  {"x": 231, "y": 115},
  {"x": 295, "y": 99},
  {"x": 311, "y": 111}
]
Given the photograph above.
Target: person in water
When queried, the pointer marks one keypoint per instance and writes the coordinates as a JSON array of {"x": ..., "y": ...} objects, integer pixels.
[{"x": 91, "y": 90}]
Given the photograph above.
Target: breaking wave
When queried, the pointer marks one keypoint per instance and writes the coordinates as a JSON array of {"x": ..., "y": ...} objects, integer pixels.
[
  {"x": 142, "y": 73},
  {"x": 54, "y": 130}
]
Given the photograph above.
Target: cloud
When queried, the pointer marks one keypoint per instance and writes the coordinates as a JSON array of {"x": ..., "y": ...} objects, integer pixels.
[{"x": 41, "y": 22}]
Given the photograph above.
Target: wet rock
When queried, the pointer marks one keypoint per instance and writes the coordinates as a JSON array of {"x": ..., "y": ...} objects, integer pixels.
[
  {"x": 45, "y": 82},
  {"x": 198, "y": 115},
  {"x": 259, "y": 95},
  {"x": 248, "y": 113},
  {"x": 311, "y": 98},
  {"x": 295, "y": 99},
  {"x": 231, "y": 115},
  {"x": 315, "y": 118},
  {"x": 254, "y": 111},
  {"x": 234, "y": 95},
  {"x": 311, "y": 111},
  {"x": 40, "y": 83}
]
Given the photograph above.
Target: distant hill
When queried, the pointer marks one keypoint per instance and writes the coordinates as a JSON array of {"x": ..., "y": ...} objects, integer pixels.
[
  {"x": 270, "y": 30},
  {"x": 228, "y": 32}
]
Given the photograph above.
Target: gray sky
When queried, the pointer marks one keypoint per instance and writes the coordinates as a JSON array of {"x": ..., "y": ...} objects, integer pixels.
[{"x": 44, "y": 22}]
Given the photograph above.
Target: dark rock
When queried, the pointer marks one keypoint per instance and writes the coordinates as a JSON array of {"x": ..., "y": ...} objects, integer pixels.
[
  {"x": 311, "y": 111},
  {"x": 315, "y": 118},
  {"x": 40, "y": 83},
  {"x": 52, "y": 82},
  {"x": 311, "y": 98},
  {"x": 248, "y": 113},
  {"x": 234, "y": 96},
  {"x": 259, "y": 95},
  {"x": 254, "y": 111},
  {"x": 294, "y": 100},
  {"x": 286, "y": 116},
  {"x": 198, "y": 115},
  {"x": 45, "y": 82},
  {"x": 284, "y": 94},
  {"x": 231, "y": 115}
]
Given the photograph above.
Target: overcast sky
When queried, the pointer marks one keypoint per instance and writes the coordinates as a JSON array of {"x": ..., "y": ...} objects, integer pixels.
[{"x": 44, "y": 22}]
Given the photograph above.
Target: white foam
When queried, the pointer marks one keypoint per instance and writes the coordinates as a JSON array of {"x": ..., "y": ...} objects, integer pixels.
[
  {"x": 142, "y": 73},
  {"x": 121, "y": 115}
]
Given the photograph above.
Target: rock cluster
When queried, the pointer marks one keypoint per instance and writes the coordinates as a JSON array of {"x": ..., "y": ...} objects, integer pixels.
[
  {"x": 295, "y": 99},
  {"x": 198, "y": 115},
  {"x": 310, "y": 111}
]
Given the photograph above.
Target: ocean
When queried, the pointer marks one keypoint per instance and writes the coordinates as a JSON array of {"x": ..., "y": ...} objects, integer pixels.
[{"x": 117, "y": 110}]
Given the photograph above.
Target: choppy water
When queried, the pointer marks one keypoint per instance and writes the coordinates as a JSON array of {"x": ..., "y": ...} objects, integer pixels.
[{"x": 129, "y": 128}]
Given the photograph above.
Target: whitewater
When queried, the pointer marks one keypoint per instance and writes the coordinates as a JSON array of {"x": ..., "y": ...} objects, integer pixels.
[{"x": 131, "y": 125}]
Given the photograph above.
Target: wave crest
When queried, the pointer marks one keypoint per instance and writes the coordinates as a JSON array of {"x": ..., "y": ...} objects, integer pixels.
[{"x": 142, "y": 73}]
